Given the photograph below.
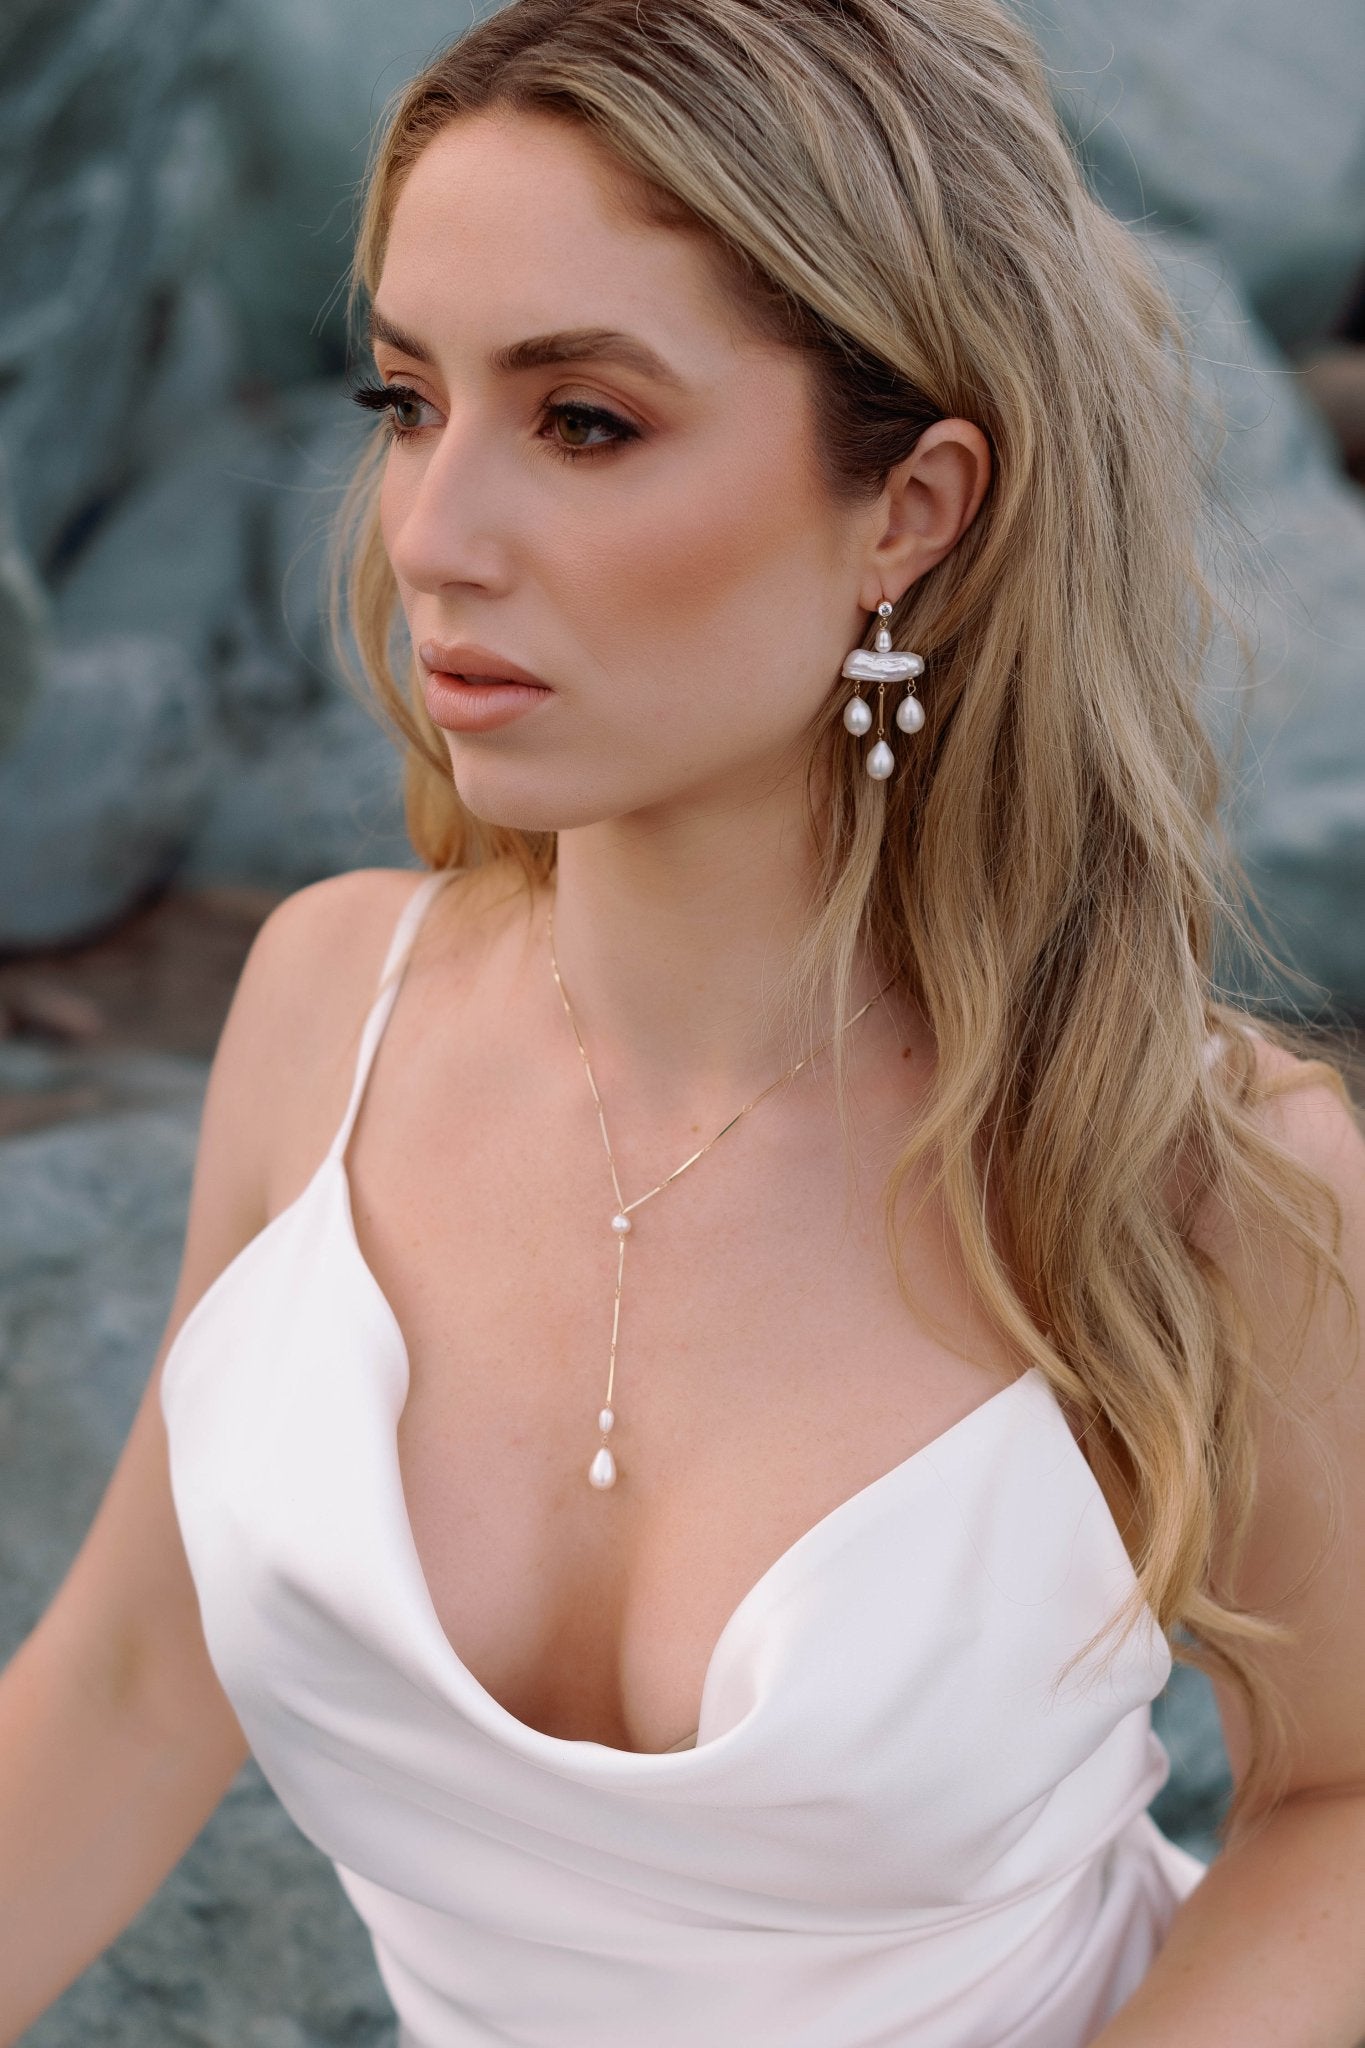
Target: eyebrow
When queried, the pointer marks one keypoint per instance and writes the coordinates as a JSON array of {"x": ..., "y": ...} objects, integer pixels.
[{"x": 567, "y": 345}]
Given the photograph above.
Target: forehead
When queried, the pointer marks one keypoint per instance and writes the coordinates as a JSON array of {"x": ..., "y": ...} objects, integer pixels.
[{"x": 516, "y": 222}]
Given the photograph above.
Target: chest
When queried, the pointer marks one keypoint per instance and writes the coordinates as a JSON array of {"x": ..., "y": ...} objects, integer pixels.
[
  {"x": 767, "y": 1368},
  {"x": 766, "y": 1360}
]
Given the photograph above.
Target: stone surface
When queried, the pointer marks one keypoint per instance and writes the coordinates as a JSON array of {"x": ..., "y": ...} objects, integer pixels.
[
  {"x": 220, "y": 549},
  {"x": 191, "y": 720},
  {"x": 1238, "y": 121},
  {"x": 101, "y": 788},
  {"x": 75, "y": 1023},
  {"x": 315, "y": 76},
  {"x": 113, "y": 183},
  {"x": 24, "y": 623},
  {"x": 320, "y": 796},
  {"x": 1195, "y": 1797},
  {"x": 1233, "y": 144},
  {"x": 1292, "y": 569}
]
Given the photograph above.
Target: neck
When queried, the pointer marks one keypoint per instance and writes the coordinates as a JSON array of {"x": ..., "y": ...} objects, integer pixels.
[{"x": 668, "y": 941}]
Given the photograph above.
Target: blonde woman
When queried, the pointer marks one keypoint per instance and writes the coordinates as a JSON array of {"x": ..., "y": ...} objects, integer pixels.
[{"x": 731, "y": 1330}]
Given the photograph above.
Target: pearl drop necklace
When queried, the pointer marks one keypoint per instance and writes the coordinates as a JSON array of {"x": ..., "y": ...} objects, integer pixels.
[{"x": 602, "y": 1473}]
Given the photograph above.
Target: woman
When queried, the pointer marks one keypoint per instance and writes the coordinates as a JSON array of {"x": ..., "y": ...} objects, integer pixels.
[{"x": 714, "y": 1592}]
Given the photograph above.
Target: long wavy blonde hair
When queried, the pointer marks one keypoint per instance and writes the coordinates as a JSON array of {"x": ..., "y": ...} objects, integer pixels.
[{"x": 884, "y": 188}]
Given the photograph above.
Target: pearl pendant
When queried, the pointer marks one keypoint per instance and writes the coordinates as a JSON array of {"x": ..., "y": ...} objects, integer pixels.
[
  {"x": 857, "y": 716},
  {"x": 910, "y": 714},
  {"x": 620, "y": 1224},
  {"x": 602, "y": 1471},
  {"x": 881, "y": 762}
]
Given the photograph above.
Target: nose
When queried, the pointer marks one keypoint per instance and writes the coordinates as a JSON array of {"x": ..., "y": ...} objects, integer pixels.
[{"x": 439, "y": 511}]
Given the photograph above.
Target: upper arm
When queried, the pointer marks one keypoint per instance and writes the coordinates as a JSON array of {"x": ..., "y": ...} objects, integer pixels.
[
  {"x": 125, "y": 1617},
  {"x": 1303, "y": 1560}
]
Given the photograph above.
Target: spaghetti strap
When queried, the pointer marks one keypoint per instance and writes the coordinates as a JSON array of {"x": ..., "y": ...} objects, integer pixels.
[{"x": 390, "y": 980}]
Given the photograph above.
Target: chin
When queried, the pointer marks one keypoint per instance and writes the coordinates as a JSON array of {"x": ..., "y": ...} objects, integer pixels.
[{"x": 520, "y": 800}]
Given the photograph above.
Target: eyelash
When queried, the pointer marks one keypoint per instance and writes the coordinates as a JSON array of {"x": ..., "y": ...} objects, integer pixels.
[{"x": 385, "y": 398}]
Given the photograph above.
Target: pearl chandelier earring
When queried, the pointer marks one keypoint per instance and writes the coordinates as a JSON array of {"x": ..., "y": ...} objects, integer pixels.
[{"x": 881, "y": 666}]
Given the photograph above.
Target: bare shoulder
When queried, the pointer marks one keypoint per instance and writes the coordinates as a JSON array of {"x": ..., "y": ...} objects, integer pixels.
[
  {"x": 1302, "y": 1561},
  {"x": 290, "y": 1039},
  {"x": 1301, "y": 1108},
  {"x": 1311, "y": 1143},
  {"x": 324, "y": 942}
]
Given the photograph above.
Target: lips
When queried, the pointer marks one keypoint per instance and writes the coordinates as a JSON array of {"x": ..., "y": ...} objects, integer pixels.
[{"x": 475, "y": 664}]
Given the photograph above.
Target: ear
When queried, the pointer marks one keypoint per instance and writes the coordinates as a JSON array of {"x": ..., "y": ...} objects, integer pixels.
[{"x": 930, "y": 500}]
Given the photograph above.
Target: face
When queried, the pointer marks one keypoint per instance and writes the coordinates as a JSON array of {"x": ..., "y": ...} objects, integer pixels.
[{"x": 682, "y": 584}]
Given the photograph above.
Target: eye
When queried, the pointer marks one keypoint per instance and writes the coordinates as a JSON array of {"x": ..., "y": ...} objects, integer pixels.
[
  {"x": 390, "y": 399},
  {"x": 387, "y": 398},
  {"x": 566, "y": 410}
]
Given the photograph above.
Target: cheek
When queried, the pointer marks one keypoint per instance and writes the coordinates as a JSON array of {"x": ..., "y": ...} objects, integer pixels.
[
  {"x": 395, "y": 497},
  {"x": 720, "y": 573}
]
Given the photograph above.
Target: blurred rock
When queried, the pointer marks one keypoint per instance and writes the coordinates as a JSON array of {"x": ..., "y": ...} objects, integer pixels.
[
  {"x": 1236, "y": 153},
  {"x": 315, "y": 78},
  {"x": 173, "y": 556},
  {"x": 320, "y": 796},
  {"x": 1195, "y": 1797},
  {"x": 1244, "y": 126},
  {"x": 113, "y": 187},
  {"x": 24, "y": 623},
  {"x": 221, "y": 549},
  {"x": 76, "y": 1021},
  {"x": 1292, "y": 732},
  {"x": 222, "y": 552},
  {"x": 102, "y": 787}
]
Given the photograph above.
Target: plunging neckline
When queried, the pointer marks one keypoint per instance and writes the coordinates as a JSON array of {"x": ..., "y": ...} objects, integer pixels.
[
  {"x": 761, "y": 1592},
  {"x": 452, "y": 1671}
]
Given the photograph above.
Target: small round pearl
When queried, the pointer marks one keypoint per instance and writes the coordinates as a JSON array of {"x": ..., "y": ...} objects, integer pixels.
[
  {"x": 605, "y": 1419},
  {"x": 620, "y": 1224},
  {"x": 881, "y": 762},
  {"x": 857, "y": 716}
]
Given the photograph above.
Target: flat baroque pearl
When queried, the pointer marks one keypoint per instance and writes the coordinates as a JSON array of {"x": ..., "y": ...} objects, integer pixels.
[{"x": 863, "y": 666}]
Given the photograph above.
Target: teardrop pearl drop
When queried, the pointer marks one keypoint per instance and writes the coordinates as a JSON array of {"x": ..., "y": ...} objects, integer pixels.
[
  {"x": 881, "y": 762},
  {"x": 602, "y": 1471},
  {"x": 910, "y": 714},
  {"x": 858, "y": 716},
  {"x": 605, "y": 1419}
]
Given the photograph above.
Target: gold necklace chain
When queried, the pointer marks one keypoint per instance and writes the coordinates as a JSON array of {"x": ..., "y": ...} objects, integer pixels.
[{"x": 602, "y": 1472}]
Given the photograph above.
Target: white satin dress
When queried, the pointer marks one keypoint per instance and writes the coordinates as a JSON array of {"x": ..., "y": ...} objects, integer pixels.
[{"x": 895, "y": 1827}]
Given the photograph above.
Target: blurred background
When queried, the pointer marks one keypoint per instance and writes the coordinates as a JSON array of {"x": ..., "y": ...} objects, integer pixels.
[{"x": 178, "y": 181}]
